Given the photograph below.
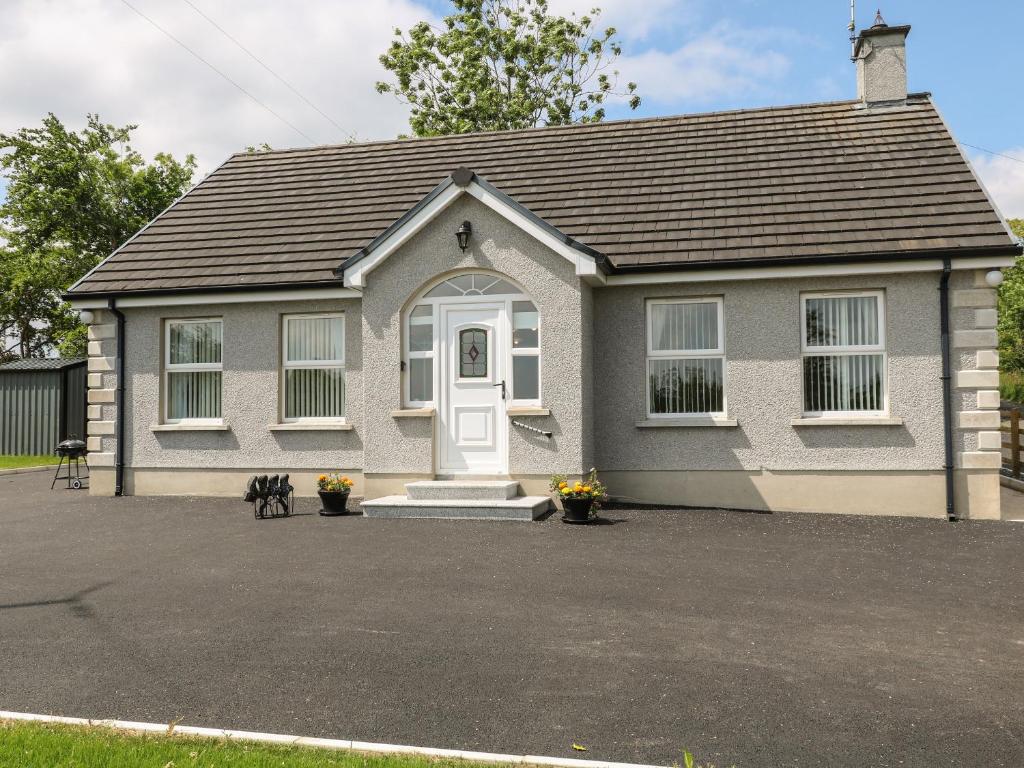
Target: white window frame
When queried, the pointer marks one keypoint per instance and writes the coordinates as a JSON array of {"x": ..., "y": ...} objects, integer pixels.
[
  {"x": 287, "y": 365},
  {"x": 508, "y": 299},
  {"x": 844, "y": 350},
  {"x": 170, "y": 367},
  {"x": 689, "y": 354},
  {"x": 431, "y": 354}
]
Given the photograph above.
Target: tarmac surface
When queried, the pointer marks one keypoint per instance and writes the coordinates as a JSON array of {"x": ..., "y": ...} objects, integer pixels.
[{"x": 749, "y": 639}]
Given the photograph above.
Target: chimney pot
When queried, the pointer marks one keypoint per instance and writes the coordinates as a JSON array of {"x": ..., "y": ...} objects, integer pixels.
[{"x": 881, "y": 56}]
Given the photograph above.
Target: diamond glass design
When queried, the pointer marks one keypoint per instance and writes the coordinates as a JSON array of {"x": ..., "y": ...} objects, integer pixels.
[{"x": 473, "y": 353}]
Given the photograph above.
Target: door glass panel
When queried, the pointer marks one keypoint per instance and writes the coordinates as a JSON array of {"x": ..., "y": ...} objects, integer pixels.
[{"x": 473, "y": 353}]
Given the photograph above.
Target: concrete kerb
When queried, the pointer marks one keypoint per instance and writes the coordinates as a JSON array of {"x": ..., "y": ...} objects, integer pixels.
[
  {"x": 24, "y": 470},
  {"x": 310, "y": 741}
]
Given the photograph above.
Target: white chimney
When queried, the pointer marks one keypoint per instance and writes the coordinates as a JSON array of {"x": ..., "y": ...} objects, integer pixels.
[{"x": 881, "y": 56}]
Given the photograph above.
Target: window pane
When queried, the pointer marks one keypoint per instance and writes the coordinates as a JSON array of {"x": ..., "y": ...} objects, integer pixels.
[
  {"x": 421, "y": 379},
  {"x": 686, "y": 386},
  {"x": 843, "y": 383},
  {"x": 314, "y": 393},
  {"x": 443, "y": 289},
  {"x": 421, "y": 330},
  {"x": 315, "y": 338},
  {"x": 491, "y": 286},
  {"x": 525, "y": 377},
  {"x": 846, "y": 321},
  {"x": 473, "y": 353},
  {"x": 687, "y": 326},
  {"x": 193, "y": 395},
  {"x": 525, "y": 322},
  {"x": 196, "y": 342}
]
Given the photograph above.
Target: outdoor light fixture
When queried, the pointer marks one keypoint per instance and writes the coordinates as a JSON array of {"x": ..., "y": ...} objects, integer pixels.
[
  {"x": 462, "y": 235},
  {"x": 86, "y": 316},
  {"x": 994, "y": 278}
]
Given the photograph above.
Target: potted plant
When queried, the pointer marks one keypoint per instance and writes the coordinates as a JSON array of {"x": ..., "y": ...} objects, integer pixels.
[
  {"x": 579, "y": 500},
  {"x": 334, "y": 490}
]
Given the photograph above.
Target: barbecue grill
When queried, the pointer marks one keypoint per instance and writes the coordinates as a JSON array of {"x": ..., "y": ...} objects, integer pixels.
[{"x": 71, "y": 451}]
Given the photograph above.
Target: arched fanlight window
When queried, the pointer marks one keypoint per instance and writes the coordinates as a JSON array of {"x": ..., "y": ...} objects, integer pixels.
[
  {"x": 474, "y": 350},
  {"x": 472, "y": 285}
]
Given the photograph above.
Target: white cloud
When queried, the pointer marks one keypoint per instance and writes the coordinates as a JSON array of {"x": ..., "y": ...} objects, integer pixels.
[
  {"x": 721, "y": 63},
  {"x": 76, "y": 56},
  {"x": 1004, "y": 179},
  {"x": 633, "y": 20}
]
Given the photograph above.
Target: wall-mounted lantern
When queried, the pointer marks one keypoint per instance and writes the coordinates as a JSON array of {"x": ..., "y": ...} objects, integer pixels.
[{"x": 462, "y": 235}]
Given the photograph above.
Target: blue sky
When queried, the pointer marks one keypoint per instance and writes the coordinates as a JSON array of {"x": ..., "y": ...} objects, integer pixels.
[{"x": 78, "y": 56}]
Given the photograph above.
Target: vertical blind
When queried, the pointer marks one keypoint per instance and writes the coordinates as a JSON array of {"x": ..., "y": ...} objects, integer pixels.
[
  {"x": 194, "y": 356},
  {"x": 846, "y": 370},
  {"x": 314, "y": 376},
  {"x": 685, "y": 365}
]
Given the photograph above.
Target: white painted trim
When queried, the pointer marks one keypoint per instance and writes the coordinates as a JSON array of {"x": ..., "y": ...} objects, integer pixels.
[
  {"x": 222, "y": 297},
  {"x": 356, "y": 275},
  {"x": 741, "y": 272},
  {"x": 738, "y": 272},
  {"x": 309, "y": 741}
]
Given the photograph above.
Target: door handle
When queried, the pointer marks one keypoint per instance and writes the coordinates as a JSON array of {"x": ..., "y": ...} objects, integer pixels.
[{"x": 502, "y": 385}]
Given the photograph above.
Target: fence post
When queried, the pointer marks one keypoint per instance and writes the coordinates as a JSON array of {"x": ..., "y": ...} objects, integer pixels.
[{"x": 1015, "y": 442}]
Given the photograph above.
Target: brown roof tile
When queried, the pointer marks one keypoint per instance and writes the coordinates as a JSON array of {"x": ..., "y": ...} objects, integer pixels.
[{"x": 783, "y": 183}]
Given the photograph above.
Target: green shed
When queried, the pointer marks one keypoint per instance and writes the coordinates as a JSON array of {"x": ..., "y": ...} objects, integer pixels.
[{"x": 42, "y": 402}]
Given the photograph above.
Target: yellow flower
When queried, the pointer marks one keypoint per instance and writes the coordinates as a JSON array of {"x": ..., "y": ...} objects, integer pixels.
[
  {"x": 563, "y": 485},
  {"x": 586, "y": 489},
  {"x": 322, "y": 477}
]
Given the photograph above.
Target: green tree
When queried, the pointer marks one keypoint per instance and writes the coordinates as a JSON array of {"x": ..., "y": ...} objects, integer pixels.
[
  {"x": 72, "y": 199},
  {"x": 1011, "y": 311},
  {"x": 504, "y": 64}
]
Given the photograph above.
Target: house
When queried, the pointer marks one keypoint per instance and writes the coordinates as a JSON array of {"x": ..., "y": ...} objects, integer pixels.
[{"x": 781, "y": 309}]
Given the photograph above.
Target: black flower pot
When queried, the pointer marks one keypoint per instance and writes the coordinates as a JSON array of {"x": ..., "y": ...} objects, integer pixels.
[
  {"x": 576, "y": 510},
  {"x": 333, "y": 503}
]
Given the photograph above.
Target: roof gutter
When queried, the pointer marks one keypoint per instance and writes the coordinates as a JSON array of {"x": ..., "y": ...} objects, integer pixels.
[
  {"x": 947, "y": 389},
  {"x": 119, "y": 400},
  {"x": 1010, "y": 250}
]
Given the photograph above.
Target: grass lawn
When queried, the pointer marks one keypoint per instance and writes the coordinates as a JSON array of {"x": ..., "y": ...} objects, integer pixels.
[
  {"x": 43, "y": 745},
  {"x": 16, "y": 462}
]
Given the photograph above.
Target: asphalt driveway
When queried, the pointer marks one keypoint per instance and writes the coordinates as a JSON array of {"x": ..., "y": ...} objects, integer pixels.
[{"x": 759, "y": 640}]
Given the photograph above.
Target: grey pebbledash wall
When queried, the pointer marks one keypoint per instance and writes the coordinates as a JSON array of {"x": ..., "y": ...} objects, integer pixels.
[
  {"x": 763, "y": 382},
  {"x": 404, "y": 445},
  {"x": 251, "y": 363}
]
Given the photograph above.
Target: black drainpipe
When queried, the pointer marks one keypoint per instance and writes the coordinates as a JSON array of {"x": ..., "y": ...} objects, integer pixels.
[
  {"x": 119, "y": 401},
  {"x": 947, "y": 388}
]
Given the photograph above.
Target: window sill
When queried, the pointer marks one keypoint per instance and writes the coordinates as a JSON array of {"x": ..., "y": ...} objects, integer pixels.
[
  {"x": 309, "y": 426},
  {"x": 846, "y": 421},
  {"x": 688, "y": 421},
  {"x": 527, "y": 410},
  {"x": 412, "y": 413},
  {"x": 185, "y": 427}
]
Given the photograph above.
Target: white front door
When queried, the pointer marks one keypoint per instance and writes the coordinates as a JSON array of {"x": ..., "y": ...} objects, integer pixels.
[{"x": 471, "y": 419}]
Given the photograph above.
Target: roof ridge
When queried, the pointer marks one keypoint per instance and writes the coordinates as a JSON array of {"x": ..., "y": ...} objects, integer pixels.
[{"x": 637, "y": 121}]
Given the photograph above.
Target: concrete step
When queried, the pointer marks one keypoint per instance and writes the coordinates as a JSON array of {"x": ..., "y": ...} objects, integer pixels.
[
  {"x": 518, "y": 508},
  {"x": 447, "y": 490}
]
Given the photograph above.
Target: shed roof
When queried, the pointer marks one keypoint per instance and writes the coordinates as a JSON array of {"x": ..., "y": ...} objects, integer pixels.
[
  {"x": 42, "y": 364},
  {"x": 813, "y": 182}
]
